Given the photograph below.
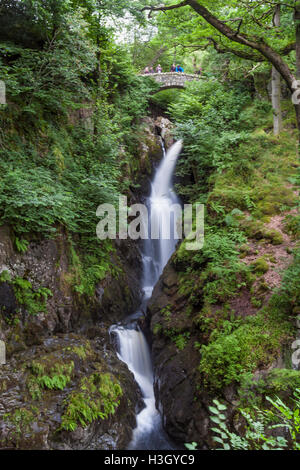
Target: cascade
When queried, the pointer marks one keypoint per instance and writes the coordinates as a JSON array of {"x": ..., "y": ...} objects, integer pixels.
[{"x": 131, "y": 343}]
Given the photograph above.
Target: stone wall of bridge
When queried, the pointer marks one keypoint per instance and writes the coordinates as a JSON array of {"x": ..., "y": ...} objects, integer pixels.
[{"x": 172, "y": 79}]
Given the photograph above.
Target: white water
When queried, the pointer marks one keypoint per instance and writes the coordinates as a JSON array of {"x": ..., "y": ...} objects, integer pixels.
[{"x": 132, "y": 345}]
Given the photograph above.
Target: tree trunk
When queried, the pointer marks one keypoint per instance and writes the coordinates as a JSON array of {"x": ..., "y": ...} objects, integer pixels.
[
  {"x": 157, "y": 56},
  {"x": 297, "y": 24},
  {"x": 98, "y": 69},
  {"x": 276, "y": 87},
  {"x": 297, "y": 109},
  {"x": 195, "y": 64},
  {"x": 276, "y": 101}
]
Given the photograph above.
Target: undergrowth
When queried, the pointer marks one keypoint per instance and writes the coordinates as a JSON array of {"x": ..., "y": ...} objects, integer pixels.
[{"x": 98, "y": 398}]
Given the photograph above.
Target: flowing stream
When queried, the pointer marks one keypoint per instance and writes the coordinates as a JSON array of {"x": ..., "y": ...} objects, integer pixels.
[{"x": 131, "y": 342}]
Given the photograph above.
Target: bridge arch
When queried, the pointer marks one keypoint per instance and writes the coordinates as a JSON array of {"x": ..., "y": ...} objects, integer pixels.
[{"x": 171, "y": 80}]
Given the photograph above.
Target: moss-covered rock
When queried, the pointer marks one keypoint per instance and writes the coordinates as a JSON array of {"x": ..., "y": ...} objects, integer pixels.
[
  {"x": 260, "y": 266},
  {"x": 257, "y": 230},
  {"x": 67, "y": 394},
  {"x": 276, "y": 382}
]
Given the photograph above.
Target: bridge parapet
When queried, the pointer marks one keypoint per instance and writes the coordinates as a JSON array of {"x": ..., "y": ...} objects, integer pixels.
[{"x": 172, "y": 79}]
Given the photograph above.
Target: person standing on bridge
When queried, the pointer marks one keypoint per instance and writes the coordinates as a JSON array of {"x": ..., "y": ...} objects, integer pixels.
[
  {"x": 146, "y": 70},
  {"x": 151, "y": 70},
  {"x": 173, "y": 68},
  {"x": 179, "y": 69},
  {"x": 158, "y": 69}
]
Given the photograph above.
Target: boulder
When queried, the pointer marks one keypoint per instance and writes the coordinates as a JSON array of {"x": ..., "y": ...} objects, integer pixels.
[{"x": 32, "y": 407}]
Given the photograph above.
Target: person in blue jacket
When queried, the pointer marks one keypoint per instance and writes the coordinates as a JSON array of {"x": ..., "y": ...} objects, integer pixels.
[{"x": 179, "y": 69}]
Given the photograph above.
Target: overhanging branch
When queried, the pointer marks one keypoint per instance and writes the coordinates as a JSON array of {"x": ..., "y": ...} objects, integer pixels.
[
  {"x": 253, "y": 42},
  {"x": 242, "y": 54},
  {"x": 164, "y": 7}
]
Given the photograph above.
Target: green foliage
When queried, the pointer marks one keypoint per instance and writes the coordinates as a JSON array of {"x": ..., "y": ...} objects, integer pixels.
[
  {"x": 222, "y": 274},
  {"x": 192, "y": 446},
  {"x": 240, "y": 176},
  {"x": 75, "y": 104},
  {"x": 229, "y": 355},
  {"x": 45, "y": 81},
  {"x": 21, "y": 421},
  {"x": 157, "y": 328},
  {"x": 33, "y": 300},
  {"x": 289, "y": 292},
  {"x": 166, "y": 312},
  {"x": 260, "y": 266},
  {"x": 5, "y": 276},
  {"x": 21, "y": 245},
  {"x": 251, "y": 182},
  {"x": 221, "y": 140},
  {"x": 81, "y": 352},
  {"x": 219, "y": 246},
  {"x": 48, "y": 375},
  {"x": 98, "y": 398},
  {"x": 89, "y": 269},
  {"x": 257, "y": 230},
  {"x": 281, "y": 382},
  {"x": 29, "y": 196},
  {"x": 260, "y": 424},
  {"x": 181, "y": 340},
  {"x": 188, "y": 26},
  {"x": 257, "y": 341},
  {"x": 207, "y": 117},
  {"x": 56, "y": 167},
  {"x": 165, "y": 98},
  {"x": 169, "y": 328}
]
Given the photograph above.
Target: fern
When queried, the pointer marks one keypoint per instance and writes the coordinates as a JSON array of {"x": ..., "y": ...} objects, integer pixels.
[
  {"x": 260, "y": 424},
  {"x": 99, "y": 397}
]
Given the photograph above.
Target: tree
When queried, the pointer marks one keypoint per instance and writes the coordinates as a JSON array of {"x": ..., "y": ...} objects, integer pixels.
[
  {"x": 246, "y": 29},
  {"x": 97, "y": 14},
  {"x": 276, "y": 86}
]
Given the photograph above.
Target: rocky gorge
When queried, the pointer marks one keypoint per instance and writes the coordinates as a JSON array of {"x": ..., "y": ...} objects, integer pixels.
[
  {"x": 57, "y": 344},
  {"x": 62, "y": 365}
]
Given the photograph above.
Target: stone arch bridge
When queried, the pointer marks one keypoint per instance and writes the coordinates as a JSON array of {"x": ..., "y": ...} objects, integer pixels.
[{"x": 172, "y": 79}]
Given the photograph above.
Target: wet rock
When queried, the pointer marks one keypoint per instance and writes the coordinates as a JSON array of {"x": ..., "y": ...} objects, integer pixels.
[
  {"x": 118, "y": 296},
  {"x": 174, "y": 369},
  {"x": 34, "y": 412},
  {"x": 46, "y": 265},
  {"x": 8, "y": 304},
  {"x": 150, "y": 151},
  {"x": 165, "y": 130},
  {"x": 185, "y": 418},
  {"x": 31, "y": 412},
  {"x": 170, "y": 278},
  {"x": 150, "y": 137}
]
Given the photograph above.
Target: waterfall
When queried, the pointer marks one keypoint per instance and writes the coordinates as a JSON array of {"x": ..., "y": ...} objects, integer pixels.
[{"x": 132, "y": 345}]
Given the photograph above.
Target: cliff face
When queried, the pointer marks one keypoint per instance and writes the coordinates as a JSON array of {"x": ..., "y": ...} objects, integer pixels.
[
  {"x": 46, "y": 264},
  {"x": 185, "y": 419},
  {"x": 57, "y": 341},
  {"x": 49, "y": 394}
]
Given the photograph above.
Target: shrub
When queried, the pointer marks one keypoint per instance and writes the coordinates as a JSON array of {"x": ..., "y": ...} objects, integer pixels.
[
  {"x": 253, "y": 344},
  {"x": 98, "y": 397}
]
